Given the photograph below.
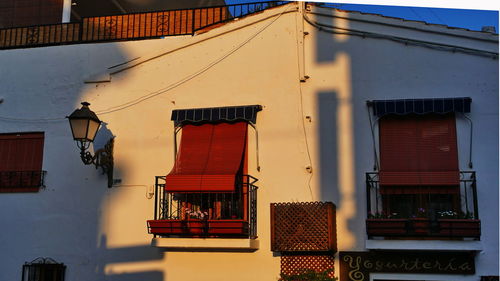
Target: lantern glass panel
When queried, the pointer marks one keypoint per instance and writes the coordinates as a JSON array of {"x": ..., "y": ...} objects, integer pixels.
[
  {"x": 79, "y": 128},
  {"x": 93, "y": 127}
]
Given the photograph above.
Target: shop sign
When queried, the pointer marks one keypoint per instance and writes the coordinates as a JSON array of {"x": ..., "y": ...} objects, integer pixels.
[{"x": 356, "y": 266}]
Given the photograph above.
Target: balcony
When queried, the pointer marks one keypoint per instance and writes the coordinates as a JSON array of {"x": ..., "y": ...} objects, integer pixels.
[
  {"x": 427, "y": 216},
  {"x": 136, "y": 26},
  {"x": 21, "y": 181},
  {"x": 206, "y": 215}
]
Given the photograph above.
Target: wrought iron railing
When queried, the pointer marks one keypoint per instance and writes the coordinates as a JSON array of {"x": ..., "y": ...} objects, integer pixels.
[
  {"x": 431, "y": 211},
  {"x": 213, "y": 208},
  {"x": 134, "y": 26},
  {"x": 467, "y": 195},
  {"x": 21, "y": 180}
]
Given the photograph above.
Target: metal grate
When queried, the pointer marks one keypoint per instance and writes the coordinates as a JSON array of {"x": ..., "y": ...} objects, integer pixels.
[
  {"x": 295, "y": 264},
  {"x": 305, "y": 226},
  {"x": 43, "y": 269},
  {"x": 21, "y": 181}
]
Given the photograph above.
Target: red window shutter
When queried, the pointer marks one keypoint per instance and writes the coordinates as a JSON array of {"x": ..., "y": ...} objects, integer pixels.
[
  {"x": 22, "y": 156},
  {"x": 210, "y": 158},
  {"x": 418, "y": 151}
]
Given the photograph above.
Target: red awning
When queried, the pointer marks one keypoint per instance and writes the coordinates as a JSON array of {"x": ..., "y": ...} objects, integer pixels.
[
  {"x": 418, "y": 151},
  {"x": 209, "y": 159}
]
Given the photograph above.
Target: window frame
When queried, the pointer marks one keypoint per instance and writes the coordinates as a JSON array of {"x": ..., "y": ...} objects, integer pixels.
[
  {"x": 421, "y": 199},
  {"x": 28, "y": 171}
]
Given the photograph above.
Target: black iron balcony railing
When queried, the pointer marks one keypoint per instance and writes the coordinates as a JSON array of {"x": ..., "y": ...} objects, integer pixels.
[
  {"x": 21, "y": 181},
  {"x": 432, "y": 213},
  {"x": 135, "y": 26},
  {"x": 231, "y": 214}
]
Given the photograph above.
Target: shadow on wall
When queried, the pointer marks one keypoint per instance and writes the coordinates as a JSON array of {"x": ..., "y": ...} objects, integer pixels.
[
  {"x": 103, "y": 255},
  {"x": 83, "y": 244},
  {"x": 63, "y": 221},
  {"x": 339, "y": 110},
  {"x": 327, "y": 110},
  {"x": 141, "y": 253},
  {"x": 88, "y": 209}
]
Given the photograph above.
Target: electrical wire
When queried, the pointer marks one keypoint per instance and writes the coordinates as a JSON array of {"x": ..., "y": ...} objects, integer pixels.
[
  {"x": 162, "y": 90},
  {"x": 38, "y": 120},
  {"x": 191, "y": 76},
  {"x": 409, "y": 27},
  {"x": 306, "y": 142},
  {"x": 407, "y": 41},
  {"x": 301, "y": 101}
]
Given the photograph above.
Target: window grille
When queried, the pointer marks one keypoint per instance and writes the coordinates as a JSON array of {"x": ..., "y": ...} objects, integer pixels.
[{"x": 43, "y": 269}]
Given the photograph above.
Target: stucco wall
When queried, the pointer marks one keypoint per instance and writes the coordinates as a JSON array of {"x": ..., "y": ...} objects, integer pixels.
[
  {"x": 100, "y": 233},
  {"x": 346, "y": 71}
]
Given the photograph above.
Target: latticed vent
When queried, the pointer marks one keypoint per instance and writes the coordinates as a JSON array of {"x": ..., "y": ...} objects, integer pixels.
[
  {"x": 296, "y": 264},
  {"x": 305, "y": 226}
]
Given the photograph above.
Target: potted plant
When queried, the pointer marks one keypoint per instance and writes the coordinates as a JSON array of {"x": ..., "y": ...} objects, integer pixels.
[
  {"x": 309, "y": 275},
  {"x": 196, "y": 221}
]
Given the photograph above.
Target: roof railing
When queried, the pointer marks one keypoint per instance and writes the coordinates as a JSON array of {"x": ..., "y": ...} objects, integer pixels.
[{"x": 133, "y": 26}]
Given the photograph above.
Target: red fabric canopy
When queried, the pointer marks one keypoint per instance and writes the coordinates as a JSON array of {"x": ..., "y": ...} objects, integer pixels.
[
  {"x": 209, "y": 159},
  {"x": 418, "y": 151}
]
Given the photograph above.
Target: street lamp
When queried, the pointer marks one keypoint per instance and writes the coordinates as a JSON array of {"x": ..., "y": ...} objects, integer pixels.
[{"x": 84, "y": 126}]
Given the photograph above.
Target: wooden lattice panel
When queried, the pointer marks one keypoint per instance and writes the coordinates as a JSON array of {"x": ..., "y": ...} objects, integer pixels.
[
  {"x": 305, "y": 226},
  {"x": 293, "y": 264}
]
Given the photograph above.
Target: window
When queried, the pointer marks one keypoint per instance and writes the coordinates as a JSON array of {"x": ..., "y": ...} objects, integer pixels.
[
  {"x": 43, "y": 269},
  {"x": 419, "y": 189},
  {"x": 210, "y": 159},
  {"x": 21, "y": 165},
  {"x": 207, "y": 176},
  {"x": 208, "y": 192},
  {"x": 418, "y": 164},
  {"x": 30, "y": 12}
]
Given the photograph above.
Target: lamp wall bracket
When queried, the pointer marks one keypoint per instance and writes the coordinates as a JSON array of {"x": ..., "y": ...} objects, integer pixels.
[{"x": 102, "y": 158}]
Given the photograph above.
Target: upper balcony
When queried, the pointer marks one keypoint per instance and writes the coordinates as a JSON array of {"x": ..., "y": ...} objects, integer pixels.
[
  {"x": 134, "y": 26},
  {"x": 423, "y": 212}
]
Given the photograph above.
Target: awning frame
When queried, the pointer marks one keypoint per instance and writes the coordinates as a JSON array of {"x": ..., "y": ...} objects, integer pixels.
[{"x": 180, "y": 118}]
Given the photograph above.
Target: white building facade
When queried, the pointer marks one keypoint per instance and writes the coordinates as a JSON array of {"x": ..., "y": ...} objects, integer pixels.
[{"x": 394, "y": 122}]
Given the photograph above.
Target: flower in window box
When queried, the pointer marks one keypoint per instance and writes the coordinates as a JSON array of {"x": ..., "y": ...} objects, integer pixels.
[
  {"x": 448, "y": 215},
  {"x": 196, "y": 214}
]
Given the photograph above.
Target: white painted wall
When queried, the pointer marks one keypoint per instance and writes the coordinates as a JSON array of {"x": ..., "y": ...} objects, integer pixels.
[{"x": 100, "y": 233}]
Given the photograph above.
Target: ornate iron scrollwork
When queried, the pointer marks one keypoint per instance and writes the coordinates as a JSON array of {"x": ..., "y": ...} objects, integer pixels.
[
  {"x": 102, "y": 158},
  {"x": 162, "y": 24},
  {"x": 110, "y": 28},
  {"x": 33, "y": 34}
]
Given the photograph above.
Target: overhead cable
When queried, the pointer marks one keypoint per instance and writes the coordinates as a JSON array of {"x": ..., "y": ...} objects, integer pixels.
[
  {"x": 162, "y": 90},
  {"x": 407, "y": 41}
]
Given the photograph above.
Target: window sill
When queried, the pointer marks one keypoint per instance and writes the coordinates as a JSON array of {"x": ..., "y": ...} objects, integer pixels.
[
  {"x": 440, "y": 245},
  {"x": 19, "y": 189},
  {"x": 207, "y": 244}
]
